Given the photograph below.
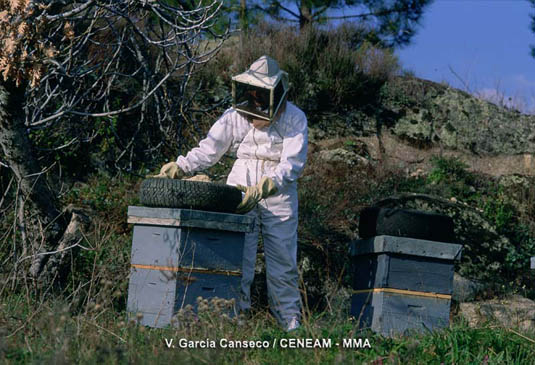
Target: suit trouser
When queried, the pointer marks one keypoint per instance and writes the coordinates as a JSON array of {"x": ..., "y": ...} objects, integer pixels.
[{"x": 279, "y": 235}]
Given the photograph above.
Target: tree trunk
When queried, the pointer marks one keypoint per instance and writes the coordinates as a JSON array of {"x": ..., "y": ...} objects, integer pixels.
[
  {"x": 305, "y": 14},
  {"x": 244, "y": 24},
  {"x": 44, "y": 222}
]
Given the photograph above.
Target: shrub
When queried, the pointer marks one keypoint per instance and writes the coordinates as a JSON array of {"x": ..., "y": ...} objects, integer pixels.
[
  {"x": 450, "y": 178},
  {"x": 500, "y": 252},
  {"x": 445, "y": 168},
  {"x": 327, "y": 68}
]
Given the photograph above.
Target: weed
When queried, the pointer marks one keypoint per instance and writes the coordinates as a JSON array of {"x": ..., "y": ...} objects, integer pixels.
[{"x": 446, "y": 169}]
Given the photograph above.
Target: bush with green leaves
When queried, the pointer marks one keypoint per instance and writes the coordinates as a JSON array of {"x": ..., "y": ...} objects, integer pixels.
[
  {"x": 451, "y": 175},
  {"x": 503, "y": 257}
]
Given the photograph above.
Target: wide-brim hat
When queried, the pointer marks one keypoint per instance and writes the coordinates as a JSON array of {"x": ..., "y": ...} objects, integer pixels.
[{"x": 264, "y": 73}]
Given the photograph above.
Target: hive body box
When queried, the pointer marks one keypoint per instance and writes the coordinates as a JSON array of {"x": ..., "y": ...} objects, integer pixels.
[
  {"x": 402, "y": 284},
  {"x": 179, "y": 255}
]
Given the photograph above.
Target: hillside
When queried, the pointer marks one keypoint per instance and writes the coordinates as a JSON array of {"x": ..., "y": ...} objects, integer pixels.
[
  {"x": 375, "y": 138},
  {"x": 435, "y": 148},
  {"x": 348, "y": 169},
  {"x": 420, "y": 117}
]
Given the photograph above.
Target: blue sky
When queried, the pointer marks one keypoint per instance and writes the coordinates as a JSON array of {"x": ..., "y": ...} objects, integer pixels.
[{"x": 481, "y": 46}]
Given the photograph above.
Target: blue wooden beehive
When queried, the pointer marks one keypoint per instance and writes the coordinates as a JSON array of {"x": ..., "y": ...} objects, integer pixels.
[
  {"x": 179, "y": 255},
  {"x": 402, "y": 284}
]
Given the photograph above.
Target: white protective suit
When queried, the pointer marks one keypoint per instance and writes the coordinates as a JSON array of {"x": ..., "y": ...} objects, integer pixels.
[{"x": 279, "y": 152}]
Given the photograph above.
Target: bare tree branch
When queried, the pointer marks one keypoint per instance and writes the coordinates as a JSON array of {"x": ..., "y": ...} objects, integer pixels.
[{"x": 88, "y": 71}]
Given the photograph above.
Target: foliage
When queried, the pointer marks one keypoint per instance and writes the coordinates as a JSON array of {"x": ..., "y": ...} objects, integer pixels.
[
  {"x": 331, "y": 197},
  {"x": 98, "y": 333},
  {"x": 447, "y": 169},
  {"x": 125, "y": 88},
  {"x": 328, "y": 69},
  {"x": 23, "y": 50},
  {"x": 451, "y": 175},
  {"x": 88, "y": 323},
  {"x": 498, "y": 240},
  {"x": 392, "y": 23},
  {"x": 503, "y": 258},
  {"x": 106, "y": 255},
  {"x": 455, "y": 181}
]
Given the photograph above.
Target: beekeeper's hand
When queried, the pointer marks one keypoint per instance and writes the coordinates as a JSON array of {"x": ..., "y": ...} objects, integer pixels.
[
  {"x": 171, "y": 171},
  {"x": 253, "y": 194},
  {"x": 200, "y": 177}
]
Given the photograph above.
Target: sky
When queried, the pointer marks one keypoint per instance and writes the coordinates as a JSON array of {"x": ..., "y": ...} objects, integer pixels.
[{"x": 480, "y": 46}]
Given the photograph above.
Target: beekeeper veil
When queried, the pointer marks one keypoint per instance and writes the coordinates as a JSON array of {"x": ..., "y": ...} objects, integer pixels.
[{"x": 261, "y": 90}]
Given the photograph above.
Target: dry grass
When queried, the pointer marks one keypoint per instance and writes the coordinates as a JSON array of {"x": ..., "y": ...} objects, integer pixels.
[
  {"x": 88, "y": 323},
  {"x": 327, "y": 68}
]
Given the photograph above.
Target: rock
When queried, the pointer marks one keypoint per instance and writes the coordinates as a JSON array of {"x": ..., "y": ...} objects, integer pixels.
[
  {"x": 465, "y": 290},
  {"x": 430, "y": 113},
  {"x": 342, "y": 155},
  {"x": 340, "y": 123},
  {"x": 512, "y": 312},
  {"x": 515, "y": 181}
]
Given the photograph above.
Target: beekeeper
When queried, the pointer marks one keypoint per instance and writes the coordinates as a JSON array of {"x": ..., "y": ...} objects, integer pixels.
[{"x": 269, "y": 137}]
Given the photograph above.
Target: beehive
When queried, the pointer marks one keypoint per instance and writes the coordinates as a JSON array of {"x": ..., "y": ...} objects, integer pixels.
[
  {"x": 402, "y": 284},
  {"x": 179, "y": 255}
]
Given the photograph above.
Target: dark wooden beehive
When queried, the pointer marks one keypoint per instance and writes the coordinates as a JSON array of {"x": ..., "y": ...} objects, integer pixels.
[
  {"x": 402, "y": 284},
  {"x": 179, "y": 255}
]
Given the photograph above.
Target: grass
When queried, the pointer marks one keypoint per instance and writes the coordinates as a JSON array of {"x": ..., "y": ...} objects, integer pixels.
[
  {"x": 51, "y": 332},
  {"x": 86, "y": 322}
]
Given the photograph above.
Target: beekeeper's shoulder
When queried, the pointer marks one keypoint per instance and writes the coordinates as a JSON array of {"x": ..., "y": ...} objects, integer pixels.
[
  {"x": 230, "y": 117},
  {"x": 297, "y": 117}
]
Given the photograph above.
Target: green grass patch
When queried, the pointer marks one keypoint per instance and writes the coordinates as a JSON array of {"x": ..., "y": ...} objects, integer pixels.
[{"x": 51, "y": 332}]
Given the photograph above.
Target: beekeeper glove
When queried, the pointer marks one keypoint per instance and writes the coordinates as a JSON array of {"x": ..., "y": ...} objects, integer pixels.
[
  {"x": 200, "y": 177},
  {"x": 170, "y": 170},
  {"x": 253, "y": 194}
]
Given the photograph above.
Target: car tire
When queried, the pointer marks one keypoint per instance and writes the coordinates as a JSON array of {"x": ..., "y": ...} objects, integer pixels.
[{"x": 197, "y": 195}]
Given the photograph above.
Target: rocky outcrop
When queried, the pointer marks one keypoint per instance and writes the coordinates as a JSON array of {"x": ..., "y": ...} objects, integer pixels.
[
  {"x": 429, "y": 114},
  {"x": 432, "y": 113},
  {"x": 512, "y": 312},
  {"x": 465, "y": 290}
]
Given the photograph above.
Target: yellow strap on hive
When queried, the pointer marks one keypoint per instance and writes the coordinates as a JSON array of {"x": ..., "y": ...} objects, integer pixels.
[
  {"x": 404, "y": 292},
  {"x": 186, "y": 269}
]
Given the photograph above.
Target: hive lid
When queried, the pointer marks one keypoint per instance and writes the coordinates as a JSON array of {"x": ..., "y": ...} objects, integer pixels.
[
  {"x": 176, "y": 217},
  {"x": 406, "y": 246}
]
